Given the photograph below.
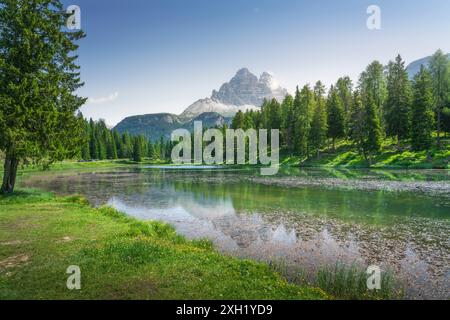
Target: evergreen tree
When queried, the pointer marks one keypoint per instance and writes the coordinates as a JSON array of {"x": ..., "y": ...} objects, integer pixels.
[
  {"x": 446, "y": 119},
  {"x": 357, "y": 122},
  {"x": 286, "y": 131},
  {"x": 85, "y": 149},
  {"x": 335, "y": 117},
  {"x": 137, "y": 149},
  {"x": 344, "y": 87},
  {"x": 319, "y": 90},
  {"x": 440, "y": 75},
  {"x": 238, "y": 121},
  {"x": 372, "y": 86},
  {"x": 93, "y": 145},
  {"x": 38, "y": 80},
  {"x": 119, "y": 144},
  {"x": 162, "y": 149},
  {"x": 274, "y": 115},
  {"x": 423, "y": 119},
  {"x": 372, "y": 131},
  {"x": 303, "y": 107},
  {"x": 318, "y": 133},
  {"x": 101, "y": 151},
  {"x": 127, "y": 145},
  {"x": 111, "y": 149},
  {"x": 398, "y": 103},
  {"x": 150, "y": 150},
  {"x": 248, "y": 120}
]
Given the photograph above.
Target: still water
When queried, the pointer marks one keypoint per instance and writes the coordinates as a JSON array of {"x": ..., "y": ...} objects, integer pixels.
[{"x": 306, "y": 227}]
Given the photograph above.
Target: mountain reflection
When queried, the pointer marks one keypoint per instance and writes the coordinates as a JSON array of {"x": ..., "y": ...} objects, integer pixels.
[{"x": 303, "y": 227}]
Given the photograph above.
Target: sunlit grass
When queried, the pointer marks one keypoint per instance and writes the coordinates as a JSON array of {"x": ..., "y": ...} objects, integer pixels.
[
  {"x": 390, "y": 156},
  {"x": 342, "y": 282},
  {"x": 120, "y": 257}
]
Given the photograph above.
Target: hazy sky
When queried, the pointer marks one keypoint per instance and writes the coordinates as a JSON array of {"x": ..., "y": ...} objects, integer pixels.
[{"x": 151, "y": 56}]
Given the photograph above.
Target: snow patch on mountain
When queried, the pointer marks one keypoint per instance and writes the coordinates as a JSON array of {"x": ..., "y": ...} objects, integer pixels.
[{"x": 211, "y": 105}]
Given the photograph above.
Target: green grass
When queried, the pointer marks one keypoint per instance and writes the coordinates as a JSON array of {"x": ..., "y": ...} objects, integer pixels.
[
  {"x": 342, "y": 282},
  {"x": 351, "y": 283},
  {"x": 73, "y": 164},
  {"x": 389, "y": 157},
  {"x": 120, "y": 258}
]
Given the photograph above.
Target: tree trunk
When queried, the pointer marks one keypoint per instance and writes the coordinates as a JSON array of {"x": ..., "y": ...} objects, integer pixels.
[
  {"x": 9, "y": 175},
  {"x": 366, "y": 157},
  {"x": 370, "y": 160},
  {"x": 429, "y": 158},
  {"x": 439, "y": 128}
]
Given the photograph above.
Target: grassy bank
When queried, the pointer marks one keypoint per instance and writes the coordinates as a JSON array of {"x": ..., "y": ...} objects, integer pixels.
[
  {"x": 120, "y": 258},
  {"x": 390, "y": 157},
  {"x": 76, "y": 165}
]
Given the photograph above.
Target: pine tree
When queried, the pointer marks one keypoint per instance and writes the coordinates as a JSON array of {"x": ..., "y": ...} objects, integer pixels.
[
  {"x": 372, "y": 86},
  {"x": 303, "y": 106},
  {"x": 85, "y": 149},
  {"x": 357, "y": 122},
  {"x": 398, "y": 103},
  {"x": 38, "y": 80},
  {"x": 150, "y": 150},
  {"x": 111, "y": 148},
  {"x": 422, "y": 114},
  {"x": 127, "y": 145},
  {"x": 335, "y": 117},
  {"x": 163, "y": 149},
  {"x": 119, "y": 144},
  {"x": 248, "y": 120},
  {"x": 286, "y": 131},
  {"x": 446, "y": 119},
  {"x": 318, "y": 133},
  {"x": 137, "y": 149},
  {"x": 440, "y": 75},
  {"x": 101, "y": 144},
  {"x": 372, "y": 131},
  {"x": 238, "y": 121},
  {"x": 344, "y": 87},
  {"x": 274, "y": 115},
  {"x": 93, "y": 144}
]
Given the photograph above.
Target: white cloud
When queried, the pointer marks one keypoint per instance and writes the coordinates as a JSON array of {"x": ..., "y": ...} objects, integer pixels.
[{"x": 101, "y": 100}]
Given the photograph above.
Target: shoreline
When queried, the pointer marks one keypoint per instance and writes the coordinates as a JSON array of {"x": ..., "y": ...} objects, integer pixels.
[
  {"x": 433, "y": 188},
  {"x": 42, "y": 234}
]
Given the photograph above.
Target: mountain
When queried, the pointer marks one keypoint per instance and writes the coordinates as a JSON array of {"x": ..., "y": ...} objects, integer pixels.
[
  {"x": 155, "y": 126},
  {"x": 211, "y": 105},
  {"x": 151, "y": 125},
  {"x": 243, "y": 92},
  {"x": 246, "y": 89},
  {"x": 414, "y": 67}
]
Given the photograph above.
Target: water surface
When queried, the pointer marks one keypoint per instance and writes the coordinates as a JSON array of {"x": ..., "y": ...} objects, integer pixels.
[{"x": 306, "y": 227}]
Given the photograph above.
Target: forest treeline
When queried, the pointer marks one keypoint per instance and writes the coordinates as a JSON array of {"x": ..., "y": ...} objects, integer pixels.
[
  {"x": 384, "y": 103},
  {"x": 102, "y": 143}
]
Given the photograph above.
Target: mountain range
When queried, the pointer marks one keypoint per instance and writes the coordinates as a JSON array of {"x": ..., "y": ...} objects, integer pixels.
[
  {"x": 414, "y": 67},
  {"x": 244, "y": 91}
]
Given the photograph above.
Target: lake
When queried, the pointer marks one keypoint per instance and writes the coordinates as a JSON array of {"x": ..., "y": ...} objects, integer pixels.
[{"x": 304, "y": 218}]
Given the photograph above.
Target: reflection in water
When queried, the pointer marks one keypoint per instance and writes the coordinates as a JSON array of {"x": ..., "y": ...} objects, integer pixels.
[{"x": 307, "y": 227}]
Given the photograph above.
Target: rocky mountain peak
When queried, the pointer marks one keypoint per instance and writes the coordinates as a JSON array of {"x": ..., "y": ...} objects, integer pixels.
[{"x": 246, "y": 89}]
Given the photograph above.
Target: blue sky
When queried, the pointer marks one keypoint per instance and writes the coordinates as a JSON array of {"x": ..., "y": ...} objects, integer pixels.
[{"x": 150, "y": 56}]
